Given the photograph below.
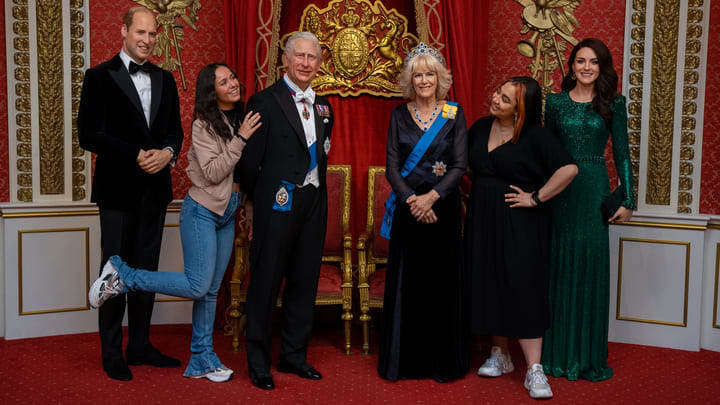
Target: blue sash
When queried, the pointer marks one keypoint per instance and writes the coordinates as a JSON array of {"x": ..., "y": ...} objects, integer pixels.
[
  {"x": 284, "y": 195},
  {"x": 412, "y": 161}
]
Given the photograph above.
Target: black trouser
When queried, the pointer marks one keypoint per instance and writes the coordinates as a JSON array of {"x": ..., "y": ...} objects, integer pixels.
[
  {"x": 291, "y": 248},
  {"x": 136, "y": 236}
]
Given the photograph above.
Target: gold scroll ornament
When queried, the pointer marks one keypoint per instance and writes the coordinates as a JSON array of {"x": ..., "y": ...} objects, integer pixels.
[
  {"x": 168, "y": 11},
  {"x": 363, "y": 47},
  {"x": 548, "y": 20}
]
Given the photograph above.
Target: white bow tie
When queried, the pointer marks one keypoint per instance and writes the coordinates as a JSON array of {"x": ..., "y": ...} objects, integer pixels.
[{"x": 307, "y": 95}]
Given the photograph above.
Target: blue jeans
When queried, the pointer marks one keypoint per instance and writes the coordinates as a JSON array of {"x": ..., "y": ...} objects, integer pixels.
[{"x": 207, "y": 241}]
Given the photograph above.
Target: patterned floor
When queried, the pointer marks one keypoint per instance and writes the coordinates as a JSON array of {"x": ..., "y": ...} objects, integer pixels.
[{"x": 67, "y": 369}]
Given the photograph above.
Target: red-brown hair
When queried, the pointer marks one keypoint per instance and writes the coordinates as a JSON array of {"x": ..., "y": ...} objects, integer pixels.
[
  {"x": 520, "y": 103},
  {"x": 528, "y": 102}
]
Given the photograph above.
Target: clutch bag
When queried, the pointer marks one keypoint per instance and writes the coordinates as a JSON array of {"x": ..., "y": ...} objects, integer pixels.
[{"x": 612, "y": 203}]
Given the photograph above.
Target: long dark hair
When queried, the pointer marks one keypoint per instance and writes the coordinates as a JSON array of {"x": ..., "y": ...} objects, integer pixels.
[
  {"x": 206, "y": 105},
  {"x": 606, "y": 83},
  {"x": 528, "y": 99}
]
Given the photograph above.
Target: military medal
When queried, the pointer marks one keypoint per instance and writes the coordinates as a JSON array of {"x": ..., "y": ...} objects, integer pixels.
[
  {"x": 281, "y": 197},
  {"x": 305, "y": 112},
  {"x": 439, "y": 168}
]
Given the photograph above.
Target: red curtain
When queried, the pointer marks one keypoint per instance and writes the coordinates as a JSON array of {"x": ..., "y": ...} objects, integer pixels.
[
  {"x": 241, "y": 21},
  {"x": 465, "y": 33}
]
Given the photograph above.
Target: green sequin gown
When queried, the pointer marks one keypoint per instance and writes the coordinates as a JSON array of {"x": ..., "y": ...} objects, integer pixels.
[{"x": 576, "y": 345}]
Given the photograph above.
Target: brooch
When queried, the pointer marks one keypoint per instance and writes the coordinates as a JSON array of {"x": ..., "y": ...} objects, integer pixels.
[
  {"x": 281, "y": 197},
  {"x": 439, "y": 168},
  {"x": 449, "y": 111}
]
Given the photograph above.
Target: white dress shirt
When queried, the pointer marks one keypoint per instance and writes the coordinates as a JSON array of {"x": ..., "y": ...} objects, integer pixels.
[
  {"x": 308, "y": 125},
  {"x": 143, "y": 85}
]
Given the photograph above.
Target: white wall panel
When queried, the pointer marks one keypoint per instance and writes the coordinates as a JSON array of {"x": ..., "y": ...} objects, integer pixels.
[{"x": 51, "y": 254}]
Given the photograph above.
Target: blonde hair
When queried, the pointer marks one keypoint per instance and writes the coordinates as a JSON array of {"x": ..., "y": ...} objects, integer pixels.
[{"x": 424, "y": 60}]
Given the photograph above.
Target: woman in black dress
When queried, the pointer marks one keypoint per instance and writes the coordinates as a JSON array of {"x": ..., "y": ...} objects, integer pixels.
[
  {"x": 424, "y": 333},
  {"x": 516, "y": 166}
]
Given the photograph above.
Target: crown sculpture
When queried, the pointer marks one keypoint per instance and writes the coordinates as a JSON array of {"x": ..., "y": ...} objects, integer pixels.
[{"x": 363, "y": 46}]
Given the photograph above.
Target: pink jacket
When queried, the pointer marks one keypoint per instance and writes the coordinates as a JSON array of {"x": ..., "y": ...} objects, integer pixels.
[{"x": 211, "y": 161}]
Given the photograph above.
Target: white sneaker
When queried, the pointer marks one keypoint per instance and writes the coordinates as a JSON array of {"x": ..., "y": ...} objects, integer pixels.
[
  {"x": 497, "y": 364},
  {"x": 218, "y": 375},
  {"x": 536, "y": 383},
  {"x": 106, "y": 286}
]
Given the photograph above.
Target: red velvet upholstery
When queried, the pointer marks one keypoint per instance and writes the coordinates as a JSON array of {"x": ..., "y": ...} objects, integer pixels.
[
  {"x": 330, "y": 282},
  {"x": 377, "y": 284}
]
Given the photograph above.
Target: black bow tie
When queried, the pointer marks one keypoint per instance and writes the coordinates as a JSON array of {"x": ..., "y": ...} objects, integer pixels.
[{"x": 146, "y": 67}]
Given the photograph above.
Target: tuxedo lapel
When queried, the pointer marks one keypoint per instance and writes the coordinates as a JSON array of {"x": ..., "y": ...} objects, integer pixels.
[
  {"x": 156, "y": 83},
  {"x": 122, "y": 78},
  {"x": 319, "y": 132},
  {"x": 282, "y": 94}
]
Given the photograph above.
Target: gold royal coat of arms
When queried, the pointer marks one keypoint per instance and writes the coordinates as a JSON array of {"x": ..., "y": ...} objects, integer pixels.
[{"x": 363, "y": 45}]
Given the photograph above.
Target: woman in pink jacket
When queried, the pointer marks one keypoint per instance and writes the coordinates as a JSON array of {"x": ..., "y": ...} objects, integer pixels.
[{"x": 206, "y": 219}]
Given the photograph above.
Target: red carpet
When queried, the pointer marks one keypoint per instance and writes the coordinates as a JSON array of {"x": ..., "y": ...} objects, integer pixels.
[{"x": 67, "y": 369}]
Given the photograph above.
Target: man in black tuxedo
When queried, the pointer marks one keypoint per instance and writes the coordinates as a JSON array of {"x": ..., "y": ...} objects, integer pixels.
[
  {"x": 282, "y": 170},
  {"x": 130, "y": 117}
]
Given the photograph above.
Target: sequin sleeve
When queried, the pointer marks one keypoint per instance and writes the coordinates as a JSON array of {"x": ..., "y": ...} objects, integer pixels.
[
  {"x": 621, "y": 152},
  {"x": 550, "y": 114}
]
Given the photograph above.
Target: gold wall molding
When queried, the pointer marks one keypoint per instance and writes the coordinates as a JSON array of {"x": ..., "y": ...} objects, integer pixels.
[
  {"x": 429, "y": 24},
  {"x": 21, "y": 60},
  {"x": 77, "y": 49},
  {"x": 666, "y": 22},
  {"x": 635, "y": 65},
  {"x": 51, "y": 109},
  {"x": 687, "y": 282},
  {"x": 691, "y": 81},
  {"x": 44, "y": 84},
  {"x": 21, "y": 232},
  {"x": 363, "y": 44},
  {"x": 268, "y": 43}
]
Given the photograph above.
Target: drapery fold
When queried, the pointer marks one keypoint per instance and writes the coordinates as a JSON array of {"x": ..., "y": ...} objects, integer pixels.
[{"x": 360, "y": 131}]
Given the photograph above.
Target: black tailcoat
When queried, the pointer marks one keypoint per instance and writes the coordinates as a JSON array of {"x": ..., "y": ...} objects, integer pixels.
[{"x": 285, "y": 244}]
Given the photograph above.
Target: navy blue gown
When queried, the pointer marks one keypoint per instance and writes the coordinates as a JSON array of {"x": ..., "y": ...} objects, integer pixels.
[{"x": 424, "y": 333}]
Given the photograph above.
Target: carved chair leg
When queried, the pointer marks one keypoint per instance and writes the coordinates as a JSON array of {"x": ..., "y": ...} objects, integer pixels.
[
  {"x": 365, "y": 320},
  {"x": 348, "y": 320}
]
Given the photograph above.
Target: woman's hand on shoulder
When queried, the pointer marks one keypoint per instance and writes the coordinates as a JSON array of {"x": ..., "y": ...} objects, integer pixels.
[
  {"x": 249, "y": 125},
  {"x": 621, "y": 215}
]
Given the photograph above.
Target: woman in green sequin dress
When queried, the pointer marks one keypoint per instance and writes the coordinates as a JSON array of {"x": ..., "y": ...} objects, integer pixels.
[{"x": 583, "y": 117}]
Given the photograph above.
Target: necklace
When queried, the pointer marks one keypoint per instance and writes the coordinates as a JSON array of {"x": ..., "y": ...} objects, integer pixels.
[{"x": 425, "y": 124}]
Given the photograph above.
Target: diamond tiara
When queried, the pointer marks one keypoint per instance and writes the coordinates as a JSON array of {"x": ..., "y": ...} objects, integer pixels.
[{"x": 422, "y": 49}]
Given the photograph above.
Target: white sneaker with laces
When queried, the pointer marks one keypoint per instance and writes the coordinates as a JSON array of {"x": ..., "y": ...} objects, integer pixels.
[
  {"x": 497, "y": 364},
  {"x": 217, "y": 375},
  {"x": 536, "y": 383},
  {"x": 106, "y": 286}
]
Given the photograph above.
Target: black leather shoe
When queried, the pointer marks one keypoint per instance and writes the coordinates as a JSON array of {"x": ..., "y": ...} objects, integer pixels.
[
  {"x": 154, "y": 358},
  {"x": 264, "y": 382},
  {"x": 307, "y": 371},
  {"x": 118, "y": 370}
]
